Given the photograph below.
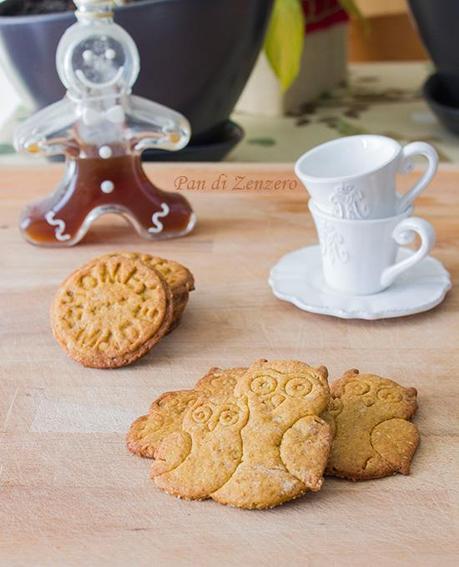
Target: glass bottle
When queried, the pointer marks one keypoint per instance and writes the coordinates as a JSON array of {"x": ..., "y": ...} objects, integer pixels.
[{"x": 102, "y": 130}]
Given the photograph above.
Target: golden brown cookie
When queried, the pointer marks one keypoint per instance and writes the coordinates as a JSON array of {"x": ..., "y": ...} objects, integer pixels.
[
  {"x": 179, "y": 279},
  {"x": 261, "y": 446},
  {"x": 111, "y": 312},
  {"x": 180, "y": 301},
  {"x": 166, "y": 413},
  {"x": 165, "y": 417},
  {"x": 198, "y": 459},
  {"x": 373, "y": 437},
  {"x": 285, "y": 442}
]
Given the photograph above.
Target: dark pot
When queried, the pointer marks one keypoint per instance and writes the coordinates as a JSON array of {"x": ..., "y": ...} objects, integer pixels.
[
  {"x": 442, "y": 94},
  {"x": 438, "y": 25},
  {"x": 196, "y": 55}
]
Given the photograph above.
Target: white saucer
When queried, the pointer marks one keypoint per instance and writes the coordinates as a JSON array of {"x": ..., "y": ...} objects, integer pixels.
[{"x": 297, "y": 278}]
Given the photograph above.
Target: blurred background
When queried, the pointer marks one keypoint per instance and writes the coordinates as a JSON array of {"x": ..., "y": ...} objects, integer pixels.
[{"x": 261, "y": 80}]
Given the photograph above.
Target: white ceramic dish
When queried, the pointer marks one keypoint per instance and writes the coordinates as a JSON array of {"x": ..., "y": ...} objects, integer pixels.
[{"x": 297, "y": 278}]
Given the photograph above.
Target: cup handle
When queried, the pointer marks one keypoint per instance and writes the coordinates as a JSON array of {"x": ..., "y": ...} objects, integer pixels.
[
  {"x": 404, "y": 233},
  {"x": 417, "y": 149}
]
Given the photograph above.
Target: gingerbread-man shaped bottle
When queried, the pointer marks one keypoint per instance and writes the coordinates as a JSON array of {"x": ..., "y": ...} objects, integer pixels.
[{"x": 102, "y": 130}]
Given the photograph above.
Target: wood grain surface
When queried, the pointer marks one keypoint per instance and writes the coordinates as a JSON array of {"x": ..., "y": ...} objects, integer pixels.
[{"x": 71, "y": 494}]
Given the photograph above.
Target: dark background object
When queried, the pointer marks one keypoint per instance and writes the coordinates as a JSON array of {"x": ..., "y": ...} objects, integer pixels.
[
  {"x": 28, "y": 7},
  {"x": 438, "y": 21},
  {"x": 196, "y": 55},
  {"x": 442, "y": 94},
  {"x": 213, "y": 147}
]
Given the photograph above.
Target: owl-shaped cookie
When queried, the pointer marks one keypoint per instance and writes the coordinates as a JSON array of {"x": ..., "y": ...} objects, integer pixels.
[
  {"x": 285, "y": 444},
  {"x": 373, "y": 435},
  {"x": 166, "y": 413},
  {"x": 203, "y": 454}
]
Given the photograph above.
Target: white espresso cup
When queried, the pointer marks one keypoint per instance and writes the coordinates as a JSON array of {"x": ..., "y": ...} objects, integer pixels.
[
  {"x": 354, "y": 177},
  {"x": 359, "y": 256}
]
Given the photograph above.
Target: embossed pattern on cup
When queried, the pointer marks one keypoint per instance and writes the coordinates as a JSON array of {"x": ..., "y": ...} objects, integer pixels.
[
  {"x": 358, "y": 256},
  {"x": 349, "y": 202}
]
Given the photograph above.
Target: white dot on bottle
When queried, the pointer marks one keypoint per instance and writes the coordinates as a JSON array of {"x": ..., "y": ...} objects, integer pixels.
[
  {"x": 110, "y": 53},
  {"x": 107, "y": 186},
  {"x": 105, "y": 152},
  {"x": 87, "y": 55}
]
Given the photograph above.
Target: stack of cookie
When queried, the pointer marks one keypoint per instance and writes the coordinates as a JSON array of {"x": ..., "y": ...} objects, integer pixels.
[
  {"x": 114, "y": 309},
  {"x": 258, "y": 437}
]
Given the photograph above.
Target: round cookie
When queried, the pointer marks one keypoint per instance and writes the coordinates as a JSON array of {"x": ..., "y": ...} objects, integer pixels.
[
  {"x": 111, "y": 312},
  {"x": 373, "y": 437},
  {"x": 180, "y": 301},
  {"x": 177, "y": 276}
]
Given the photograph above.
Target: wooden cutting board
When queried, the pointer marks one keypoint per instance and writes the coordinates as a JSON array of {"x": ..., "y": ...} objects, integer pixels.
[{"x": 71, "y": 494}]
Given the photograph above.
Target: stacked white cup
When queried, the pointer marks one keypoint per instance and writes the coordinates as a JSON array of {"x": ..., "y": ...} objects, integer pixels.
[{"x": 360, "y": 218}]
